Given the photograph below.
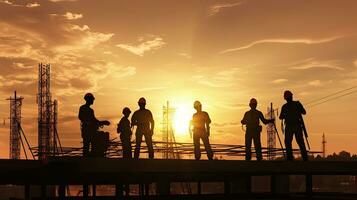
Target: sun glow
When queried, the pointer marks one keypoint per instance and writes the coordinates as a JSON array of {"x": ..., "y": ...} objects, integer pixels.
[{"x": 181, "y": 119}]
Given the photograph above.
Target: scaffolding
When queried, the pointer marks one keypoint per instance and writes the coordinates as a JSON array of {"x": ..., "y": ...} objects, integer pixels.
[
  {"x": 15, "y": 126},
  {"x": 271, "y": 134},
  {"x": 56, "y": 143},
  {"x": 168, "y": 136},
  {"x": 17, "y": 134},
  {"x": 48, "y": 140}
]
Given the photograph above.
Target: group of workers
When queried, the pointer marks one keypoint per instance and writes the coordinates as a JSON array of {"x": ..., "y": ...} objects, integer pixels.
[
  {"x": 291, "y": 113},
  {"x": 199, "y": 128}
]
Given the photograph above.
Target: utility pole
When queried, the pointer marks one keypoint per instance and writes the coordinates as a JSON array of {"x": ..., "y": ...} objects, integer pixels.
[{"x": 324, "y": 145}]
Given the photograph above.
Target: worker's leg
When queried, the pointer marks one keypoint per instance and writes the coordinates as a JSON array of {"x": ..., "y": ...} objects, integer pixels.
[
  {"x": 288, "y": 140},
  {"x": 257, "y": 146},
  {"x": 205, "y": 140},
  {"x": 300, "y": 141},
  {"x": 126, "y": 146},
  {"x": 196, "y": 144},
  {"x": 148, "y": 140},
  {"x": 248, "y": 144},
  {"x": 86, "y": 142},
  {"x": 138, "y": 139}
]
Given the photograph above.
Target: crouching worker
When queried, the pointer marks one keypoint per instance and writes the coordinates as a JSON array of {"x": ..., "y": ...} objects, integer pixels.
[
  {"x": 252, "y": 121},
  {"x": 124, "y": 129},
  {"x": 90, "y": 125}
]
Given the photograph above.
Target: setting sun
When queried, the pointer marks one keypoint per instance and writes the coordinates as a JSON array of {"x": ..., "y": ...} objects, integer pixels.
[{"x": 182, "y": 117}]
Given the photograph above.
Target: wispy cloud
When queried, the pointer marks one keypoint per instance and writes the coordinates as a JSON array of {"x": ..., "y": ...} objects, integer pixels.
[
  {"x": 22, "y": 65},
  {"x": 62, "y": 0},
  {"x": 33, "y": 5},
  {"x": 313, "y": 64},
  {"x": 143, "y": 47},
  {"x": 220, "y": 79},
  {"x": 213, "y": 10},
  {"x": 279, "y": 81},
  {"x": 282, "y": 41},
  {"x": 225, "y": 124},
  {"x": 149, "y": 89},
  {"x": 315, "y": 83},
  {"x": 72, "y": 16},
  {"x": 87, "y": 41},
  {"x": 28, "y": 5},
  {"x": 185, "y": 55},
  {"x": 7, "y": 2}
]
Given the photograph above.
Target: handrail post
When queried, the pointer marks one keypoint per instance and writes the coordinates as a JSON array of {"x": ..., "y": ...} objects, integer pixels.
[{"x": 309, "y": 185}]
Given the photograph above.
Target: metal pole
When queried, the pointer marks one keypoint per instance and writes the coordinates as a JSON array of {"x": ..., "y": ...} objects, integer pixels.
[{"x": 277, "y": 133}]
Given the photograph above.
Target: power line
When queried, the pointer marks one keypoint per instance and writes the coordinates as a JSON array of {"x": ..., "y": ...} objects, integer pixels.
[
  {"x": 330, "y": 95},
  {"x": 331, "y": 99}
]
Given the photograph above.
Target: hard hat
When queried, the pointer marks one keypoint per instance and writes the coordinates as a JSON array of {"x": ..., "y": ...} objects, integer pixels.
[
  {"x": 126, "y": 110},
  {"x": 89, "y": 96},
  {"x": 253, "y": 101},
  {"x": 288, "y": 94},
  {"x": 197, "y": 104},
  {"x": 142, "y": 100}
]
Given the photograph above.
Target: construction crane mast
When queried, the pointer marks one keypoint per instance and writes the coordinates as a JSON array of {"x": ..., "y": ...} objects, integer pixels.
[{"x": 15, "y": 126}]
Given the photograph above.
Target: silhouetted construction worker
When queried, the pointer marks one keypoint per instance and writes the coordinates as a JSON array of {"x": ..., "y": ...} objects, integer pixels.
[
  {"x": 124, "y": 129},
  {"x": 252, "y": 120},
  {"x": 89, "y": 123},
  {"x": 144, "y": 122},
  {"x": 200, "y": 125},
  {"x": 291, "y": 113}
]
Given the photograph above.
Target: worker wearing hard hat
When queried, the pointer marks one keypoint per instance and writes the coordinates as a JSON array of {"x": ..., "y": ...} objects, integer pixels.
[
  {"x": 291, "y": 113},
  {"x": 200, "y": 126},
  {"x": 252, "y": 120},
  {"x": 124, "y": 129},
  {"x": 89, "y": 123},
  {"x": 144, "y": 122}
]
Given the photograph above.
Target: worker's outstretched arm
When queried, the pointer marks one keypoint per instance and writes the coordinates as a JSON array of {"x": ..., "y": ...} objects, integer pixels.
[{"x": 265, "y": 121}]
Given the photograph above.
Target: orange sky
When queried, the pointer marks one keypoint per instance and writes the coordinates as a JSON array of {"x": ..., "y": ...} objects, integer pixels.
[{"x": 220, "y": 52}]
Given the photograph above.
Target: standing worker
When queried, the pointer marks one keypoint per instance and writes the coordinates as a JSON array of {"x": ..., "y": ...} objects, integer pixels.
[
  {"x": 124, "y": 129},
  {"x": 89, "y": 123},
  {"x": 144, "y": 122},
  {"x": 252, "y": 120},
  {"x": 291, "y": 113},
  {"x": 200, "y": 124}
]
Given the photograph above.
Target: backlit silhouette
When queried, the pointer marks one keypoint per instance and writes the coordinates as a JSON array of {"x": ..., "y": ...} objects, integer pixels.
[
  {"x": 124, "y": 129},
  {"x": 252, "y": 120},
  {"x": 200, "y": 126},
  {"x": 144, "y": 122},
  {"x": 291, "y": 113}
]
